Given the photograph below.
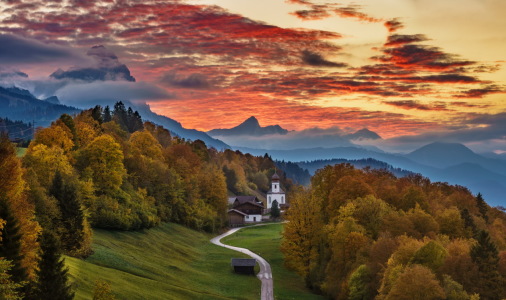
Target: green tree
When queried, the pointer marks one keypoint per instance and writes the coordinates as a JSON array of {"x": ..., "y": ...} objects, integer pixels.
[
  {"x": 358, "y": 284},
  {"x": 275, "y": 213},
  {"x": 431, "y": 255},
  {"x": 9, "y": 290},
  {"x": 482, "y": 207},
  {"x": 71, "y": 222},
  {"x": 10, "y": 247},
  {"x": 107, "y": 114},
  {"x": 53, "y": 282},
  {"x": 486, "y": 257}
]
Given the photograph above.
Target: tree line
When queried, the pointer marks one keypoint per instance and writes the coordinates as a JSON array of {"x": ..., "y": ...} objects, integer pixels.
[
  {"x": 364, "y": 234},
  {"x": 105, "y": 168}
]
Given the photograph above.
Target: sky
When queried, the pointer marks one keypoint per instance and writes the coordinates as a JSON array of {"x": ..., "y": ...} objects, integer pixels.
[{"x": 414, "y": 71}]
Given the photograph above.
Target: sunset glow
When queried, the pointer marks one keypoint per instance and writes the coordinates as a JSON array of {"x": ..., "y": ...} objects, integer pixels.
[{"x": 396, "y": 67}]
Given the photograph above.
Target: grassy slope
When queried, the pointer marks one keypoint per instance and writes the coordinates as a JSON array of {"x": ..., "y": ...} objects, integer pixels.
[
  {"x": 20, "y": 152},
  {"x": 167, "y": 262},
  {"x": 265, "y": 241}
]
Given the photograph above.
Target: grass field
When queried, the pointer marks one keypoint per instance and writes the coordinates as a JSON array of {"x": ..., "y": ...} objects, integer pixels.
[
  {"x": 167, "y": 262},
  {"x": 20, "y": 152},
  {"x": 265, "y": 241}
]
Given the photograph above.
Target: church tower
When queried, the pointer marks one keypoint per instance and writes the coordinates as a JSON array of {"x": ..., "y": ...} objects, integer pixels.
[{"x": 276, "y": 193}]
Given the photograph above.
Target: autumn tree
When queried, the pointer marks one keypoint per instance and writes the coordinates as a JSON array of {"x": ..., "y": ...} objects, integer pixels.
[
  {"x": 13, "y": 190},
  {"x": 416, "y": 283},
  {"x": 103, "y": 159},
  {"x": 301, "y": 235}
]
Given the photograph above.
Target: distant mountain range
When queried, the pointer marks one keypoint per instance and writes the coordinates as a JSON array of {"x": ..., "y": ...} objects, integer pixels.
[
  {"x": 20, "y": 105},
  {"x": 250, "y": 127},
  {"x": 445, "y": 162}
]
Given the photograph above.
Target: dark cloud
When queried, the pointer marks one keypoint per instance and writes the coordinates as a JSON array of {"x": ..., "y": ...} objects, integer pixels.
[
  {"x": 422, "y": 58},
  {"x": 15, "y": 50},
  {"x": 400, "y": 39},
  {"x": 312, "y": 14},
  {"x": 481, "y": 92},
  {"x": 412, "y": 104},
  {"x": 9, "y": 73},
  {"x": 106, "y": 67},
  {"x": 315, "y": 59},
  {"x": 192, "y": 81},
  {"x": 393, "y": 25}
]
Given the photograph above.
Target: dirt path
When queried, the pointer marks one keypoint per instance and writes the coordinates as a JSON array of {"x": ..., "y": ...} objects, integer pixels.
[{"x": 265, "y": 274}]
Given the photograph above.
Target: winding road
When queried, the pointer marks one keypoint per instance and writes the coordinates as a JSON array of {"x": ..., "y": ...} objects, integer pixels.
[{"x": 265, "y": 274}]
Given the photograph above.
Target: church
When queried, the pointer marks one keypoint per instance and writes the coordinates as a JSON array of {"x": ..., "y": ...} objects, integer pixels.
[{"x": 276, "y": 193}]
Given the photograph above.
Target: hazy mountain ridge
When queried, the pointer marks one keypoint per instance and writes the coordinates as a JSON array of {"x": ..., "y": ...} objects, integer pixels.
[
  {"x": 249, "y": 127},
  {"x": 19, "y": 104},
  {"x": 484, "y": 175}
]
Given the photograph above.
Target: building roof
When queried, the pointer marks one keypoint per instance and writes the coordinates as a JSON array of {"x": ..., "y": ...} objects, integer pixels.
[
  {"x": 275, "y": 176},
  {"x": 237, "y": 212},
  {"x": 240, "y": 200},
  {"x": 281, "y": 191},
  {"x": 243, "y": 262}
]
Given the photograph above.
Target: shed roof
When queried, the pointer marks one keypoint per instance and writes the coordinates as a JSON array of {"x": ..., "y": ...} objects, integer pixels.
[
  {"x": 237, "y": 212},
  {"x": 243, "y": 262}
]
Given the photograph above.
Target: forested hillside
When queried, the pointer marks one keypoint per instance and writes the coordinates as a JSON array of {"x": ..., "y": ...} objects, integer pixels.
[
  {"x": 107, "y": 169},
  {"x": 360, "y": 234}
]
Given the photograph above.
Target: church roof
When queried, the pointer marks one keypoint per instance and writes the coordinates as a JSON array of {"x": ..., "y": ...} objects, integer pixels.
[
  {"x": 275, "y": 176},
  {"x": 281, "y": 191}
]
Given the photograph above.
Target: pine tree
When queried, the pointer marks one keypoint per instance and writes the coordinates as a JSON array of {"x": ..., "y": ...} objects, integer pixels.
[
  {"x": 96, "y": 114},
  {"x": 10, "y": 247},
  {"x": 52, "y": 274},
  {"x": 107, "y": 114},
  {"x": 72, "y": 217},
  {"x": 485, "y": 255},
  {"x": 482, "y": 206},
  {"x": 468, "y": 221},
  {"x": 275, "y": 213},
  {"x": 120, "y": 115}
]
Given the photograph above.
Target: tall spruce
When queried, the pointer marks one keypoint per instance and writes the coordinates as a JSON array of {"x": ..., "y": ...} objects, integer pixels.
[
  {"x": 482, "y": 207},
  {"x": 53, "y": 282},
  {"x": 469, "y": 222},
  {"x": 71, "y": 223},
  {"x": 10, "y": 247},
  {"x": 107, "y": 114},
  {"x": 485, "y": 255}
]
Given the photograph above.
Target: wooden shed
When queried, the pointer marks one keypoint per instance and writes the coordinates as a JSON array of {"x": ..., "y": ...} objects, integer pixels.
[
  {"x": 244, "y": 265},
  {"x": 236, "y": 218}
]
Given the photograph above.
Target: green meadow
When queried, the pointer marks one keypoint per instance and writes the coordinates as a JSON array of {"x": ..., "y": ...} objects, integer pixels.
[
  {"x": 166, "y": 262},
  {"x": 265, "y": 241}
]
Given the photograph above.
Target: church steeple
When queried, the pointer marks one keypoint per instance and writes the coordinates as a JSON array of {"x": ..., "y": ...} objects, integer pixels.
[{"x": 276, "y": 194}]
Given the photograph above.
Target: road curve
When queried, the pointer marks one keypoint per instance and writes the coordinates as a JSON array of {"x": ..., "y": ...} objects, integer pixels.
[{"x": 265, "y": 274}]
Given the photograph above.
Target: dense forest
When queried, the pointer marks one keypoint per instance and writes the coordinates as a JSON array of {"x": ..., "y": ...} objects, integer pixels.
[
  {"x": 105, "y": 168},
  {"x": 363, "y": 234}
]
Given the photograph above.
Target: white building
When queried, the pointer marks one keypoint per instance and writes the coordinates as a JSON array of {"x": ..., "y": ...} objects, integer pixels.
[{"x": 276, "y": 193}]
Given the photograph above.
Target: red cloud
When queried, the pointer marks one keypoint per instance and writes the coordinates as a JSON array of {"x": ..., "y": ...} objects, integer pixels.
[{"x": 393, "y": 25}]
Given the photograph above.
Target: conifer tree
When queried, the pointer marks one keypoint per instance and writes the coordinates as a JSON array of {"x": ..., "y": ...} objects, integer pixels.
[
  {"x": 96, "y": 114},
  {"x": 482, "y": 206},
  {"x": 10, "y": 246},
  {"x": 485, "y": 255},
  {"x": 52, "y": 274},
  {"x": 275, "y": 213},
  {"x": 107, "y": 114},
  {"x": 72, "y": 217},
  {"x": 468, "y": 221}
]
